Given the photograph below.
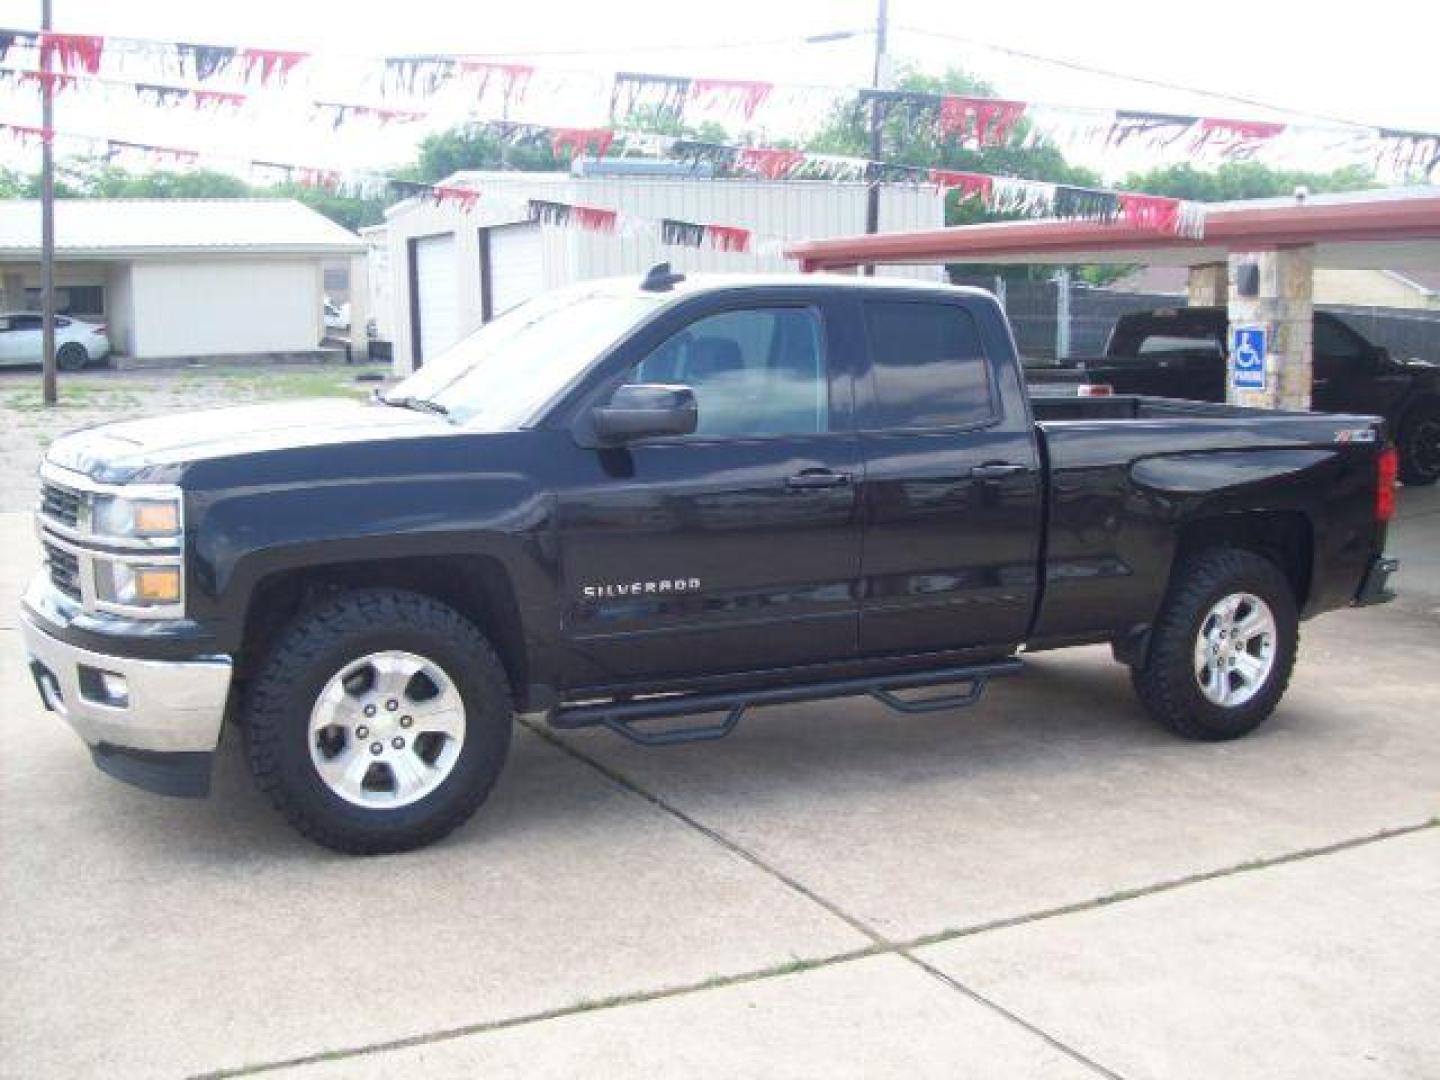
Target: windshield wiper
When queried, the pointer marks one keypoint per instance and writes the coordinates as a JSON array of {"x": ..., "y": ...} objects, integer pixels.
[{"x": 418, "y": 404}]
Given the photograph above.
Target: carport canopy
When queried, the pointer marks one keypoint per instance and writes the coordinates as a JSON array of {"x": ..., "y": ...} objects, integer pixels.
[
  {"x": 1396, "y": 229},
  {"x": 1277, "y": 243}
]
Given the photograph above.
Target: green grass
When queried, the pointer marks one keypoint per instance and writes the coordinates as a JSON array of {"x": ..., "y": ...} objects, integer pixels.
[
  {"x": 283, "y": 383},
  {"x": 229, "y": 384}
]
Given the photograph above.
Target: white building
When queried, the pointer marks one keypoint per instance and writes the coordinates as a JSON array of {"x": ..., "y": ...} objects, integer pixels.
[
  {"x": 450, "y": 269},
  {"x": 181, "y": 277}
]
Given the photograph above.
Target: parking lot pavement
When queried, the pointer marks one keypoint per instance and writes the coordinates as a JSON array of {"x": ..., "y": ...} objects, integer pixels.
[
  {"x": 1043, "y": 883},
  {"x": 802, "y": 1026},
  {"x": 1324, "y": 967},
  {"x": 1415, "y": 537},
  {"x": 1056, "y": 788}
]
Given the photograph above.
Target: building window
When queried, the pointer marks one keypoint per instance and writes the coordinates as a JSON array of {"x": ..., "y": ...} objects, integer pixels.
[{"x": 81, "y": 301}]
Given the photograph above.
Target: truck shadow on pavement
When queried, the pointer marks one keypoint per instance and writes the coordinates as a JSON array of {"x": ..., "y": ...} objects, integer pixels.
[{"x": 1046, "y": 729}]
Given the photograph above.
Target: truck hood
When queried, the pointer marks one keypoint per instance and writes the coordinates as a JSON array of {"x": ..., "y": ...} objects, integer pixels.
[{"x": 115, "y": 453}]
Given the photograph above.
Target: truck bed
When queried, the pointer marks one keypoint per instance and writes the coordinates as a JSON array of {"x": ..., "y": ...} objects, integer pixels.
[
  {"x": 1127, "y": 471},
  {"x": 1140, "y": 407}
]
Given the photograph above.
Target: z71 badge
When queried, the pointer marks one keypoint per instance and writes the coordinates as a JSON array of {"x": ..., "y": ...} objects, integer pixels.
[{"x": 640, "y": 588}]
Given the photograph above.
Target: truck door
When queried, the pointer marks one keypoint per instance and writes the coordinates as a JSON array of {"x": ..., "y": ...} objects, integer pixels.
[
  {"x": 738, "y": 547},
  {"x": 952, "y": 489},
  {"x": 1349, "y": 374}
]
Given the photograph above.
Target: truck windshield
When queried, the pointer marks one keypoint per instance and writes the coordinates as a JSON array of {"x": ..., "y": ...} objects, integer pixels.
[{"x": 499, "y": 377}]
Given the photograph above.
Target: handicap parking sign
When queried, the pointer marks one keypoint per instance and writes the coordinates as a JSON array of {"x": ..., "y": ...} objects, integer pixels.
[{"x": 1247, "y": 351}]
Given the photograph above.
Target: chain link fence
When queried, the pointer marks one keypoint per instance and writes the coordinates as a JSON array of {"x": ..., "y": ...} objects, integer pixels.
[{"x": 1035, "y": 309}]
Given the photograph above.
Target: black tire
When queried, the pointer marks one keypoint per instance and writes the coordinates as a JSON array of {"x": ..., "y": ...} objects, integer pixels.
[
  {"x": 1419, "y": 446},
  {"x": 319, "y": 643},
  {"x": 72, "y": 356},
  {"x": 1167, "y": 683}
]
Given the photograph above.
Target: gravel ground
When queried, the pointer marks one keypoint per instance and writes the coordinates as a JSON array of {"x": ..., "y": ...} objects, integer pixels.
[{"x": 27, "y": 428}]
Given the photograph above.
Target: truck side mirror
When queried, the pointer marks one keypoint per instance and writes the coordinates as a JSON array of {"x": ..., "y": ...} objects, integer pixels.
[{"x": 646, "y": 410}]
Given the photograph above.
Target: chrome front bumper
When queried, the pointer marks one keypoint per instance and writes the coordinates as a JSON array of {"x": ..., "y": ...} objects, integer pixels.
[{"x": 172, "y": 706}]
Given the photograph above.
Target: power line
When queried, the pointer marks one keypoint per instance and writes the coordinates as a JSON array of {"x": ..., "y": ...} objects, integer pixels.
[{"x": 1076, "y": 65}]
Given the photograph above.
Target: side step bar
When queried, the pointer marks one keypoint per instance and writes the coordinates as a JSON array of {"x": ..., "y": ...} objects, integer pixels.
[{"x": 621, "y": 717}]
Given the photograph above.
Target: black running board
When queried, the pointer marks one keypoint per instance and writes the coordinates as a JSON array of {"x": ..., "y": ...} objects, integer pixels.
[{"x": 622, "y": 717}]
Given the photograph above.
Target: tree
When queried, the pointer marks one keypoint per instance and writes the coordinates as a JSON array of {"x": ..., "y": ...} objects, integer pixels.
[
  {"x": 354, "y": 212},
  {"x": 1243, "y": 180},
  {"x": 470, "y": 147},
  {"x": 907, "y": 141},
  {"x": 111, "y": 182}
]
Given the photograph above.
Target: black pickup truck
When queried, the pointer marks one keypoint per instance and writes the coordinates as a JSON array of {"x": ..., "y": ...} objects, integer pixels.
[
  {"x": 630, "y": 502},
  {"x": 1182, "y": 353}
]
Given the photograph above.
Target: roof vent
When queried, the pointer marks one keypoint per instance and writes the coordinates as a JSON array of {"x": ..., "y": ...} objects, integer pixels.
[{"x": 661, "y": 279}]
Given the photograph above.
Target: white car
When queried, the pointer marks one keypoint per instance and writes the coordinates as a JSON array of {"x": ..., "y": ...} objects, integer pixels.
[{"x": 77, "y": 343}]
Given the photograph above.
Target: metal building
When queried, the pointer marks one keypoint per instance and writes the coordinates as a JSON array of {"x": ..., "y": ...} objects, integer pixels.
[{"x": 451, "y": 270}]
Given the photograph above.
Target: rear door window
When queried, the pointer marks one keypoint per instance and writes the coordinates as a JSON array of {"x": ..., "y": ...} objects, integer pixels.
[
  {"x": 1173, "y": 344},
  {"x": 928, "y": 365}
]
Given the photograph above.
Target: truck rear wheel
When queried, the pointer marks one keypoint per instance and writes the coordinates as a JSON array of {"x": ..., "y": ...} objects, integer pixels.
[
  {"x": 379, "y": 721},
  {"x": 1222, "y": 649},
  {"x": 1420, "y": 447}
]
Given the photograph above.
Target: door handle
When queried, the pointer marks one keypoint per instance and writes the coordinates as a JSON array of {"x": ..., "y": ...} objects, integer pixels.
[
  {"x": 996, "y": 471},
  {"x": 816, "y": 478}
]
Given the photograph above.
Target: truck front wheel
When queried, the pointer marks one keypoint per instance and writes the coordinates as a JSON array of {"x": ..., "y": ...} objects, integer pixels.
[
  {"x": 379, "y": 722},
  {"x": 1222, "y": 649}
]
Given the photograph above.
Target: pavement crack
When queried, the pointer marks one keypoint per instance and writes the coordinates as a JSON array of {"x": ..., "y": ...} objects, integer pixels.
[
  {"x": 1171, "y": 884},
  {"x": 639, "y": 997},
  {"x": 881, "y": 945}
]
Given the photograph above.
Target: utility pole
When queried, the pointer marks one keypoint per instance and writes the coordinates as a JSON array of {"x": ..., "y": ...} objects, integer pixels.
[
  {"x": 880, "y": 80},
  {"x": 47, "y": 216}
]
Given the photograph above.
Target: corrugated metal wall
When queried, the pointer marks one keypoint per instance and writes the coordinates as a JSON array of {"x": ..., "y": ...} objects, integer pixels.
[{"x": 792, "y": 210}]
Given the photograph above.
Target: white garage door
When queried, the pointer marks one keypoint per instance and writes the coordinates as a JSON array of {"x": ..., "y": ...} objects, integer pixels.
[
  {"x": 516, "y": 267},
  {"x": 437, "y": 289}
]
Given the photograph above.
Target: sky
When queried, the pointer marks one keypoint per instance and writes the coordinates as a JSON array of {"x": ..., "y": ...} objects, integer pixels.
[{"x": 1372, "y": 64}]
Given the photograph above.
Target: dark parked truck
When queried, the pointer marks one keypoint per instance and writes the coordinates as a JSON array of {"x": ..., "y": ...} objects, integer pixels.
[
  {"x": 651, "y": 506},
  {"x": 1182, "y": 353}
]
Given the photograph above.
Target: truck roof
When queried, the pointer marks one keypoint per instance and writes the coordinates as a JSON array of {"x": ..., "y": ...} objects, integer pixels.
[{"x": 698, "y": 284}]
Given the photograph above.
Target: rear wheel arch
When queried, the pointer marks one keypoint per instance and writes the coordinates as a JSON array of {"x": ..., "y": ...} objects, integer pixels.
[{"x": 1285, "y": 538}]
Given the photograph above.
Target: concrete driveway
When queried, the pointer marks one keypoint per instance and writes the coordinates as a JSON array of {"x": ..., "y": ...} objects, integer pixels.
[{"x": 1043, "y": 886}]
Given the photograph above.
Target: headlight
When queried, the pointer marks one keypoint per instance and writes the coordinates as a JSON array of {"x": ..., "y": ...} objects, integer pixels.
[
  {"x": 114, "y": 515},
  {"x": 137, "y": 585}
]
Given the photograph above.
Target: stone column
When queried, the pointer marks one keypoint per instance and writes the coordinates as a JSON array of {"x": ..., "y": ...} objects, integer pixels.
[
  {"x": 1283, "y": 307},
  {"x": 1209, "y": 285}
]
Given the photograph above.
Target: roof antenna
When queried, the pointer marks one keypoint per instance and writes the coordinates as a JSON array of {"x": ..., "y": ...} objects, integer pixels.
[{"x": 660, "y": 279}]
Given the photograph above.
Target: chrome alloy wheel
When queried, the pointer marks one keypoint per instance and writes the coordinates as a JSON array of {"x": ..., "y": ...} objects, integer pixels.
[
  {"x": 387, "y": 730},
  {"x": 1235, "y": 649}
]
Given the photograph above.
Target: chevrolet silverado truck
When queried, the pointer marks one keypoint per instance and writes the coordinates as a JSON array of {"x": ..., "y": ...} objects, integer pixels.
[
  {"x": 650, "y": 506},
  {"x": 1182, "y": 353}
]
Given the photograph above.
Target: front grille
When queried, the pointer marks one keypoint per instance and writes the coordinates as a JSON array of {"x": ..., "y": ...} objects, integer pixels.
[
  {"x": 60, "y": 504},
  {"x": 64, "y": 570}
]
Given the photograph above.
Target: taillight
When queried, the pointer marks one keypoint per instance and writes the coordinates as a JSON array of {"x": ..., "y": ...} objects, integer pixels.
[
  {"x": 1094, "y": 390},
  {"x": 1387, "y": 471}
]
